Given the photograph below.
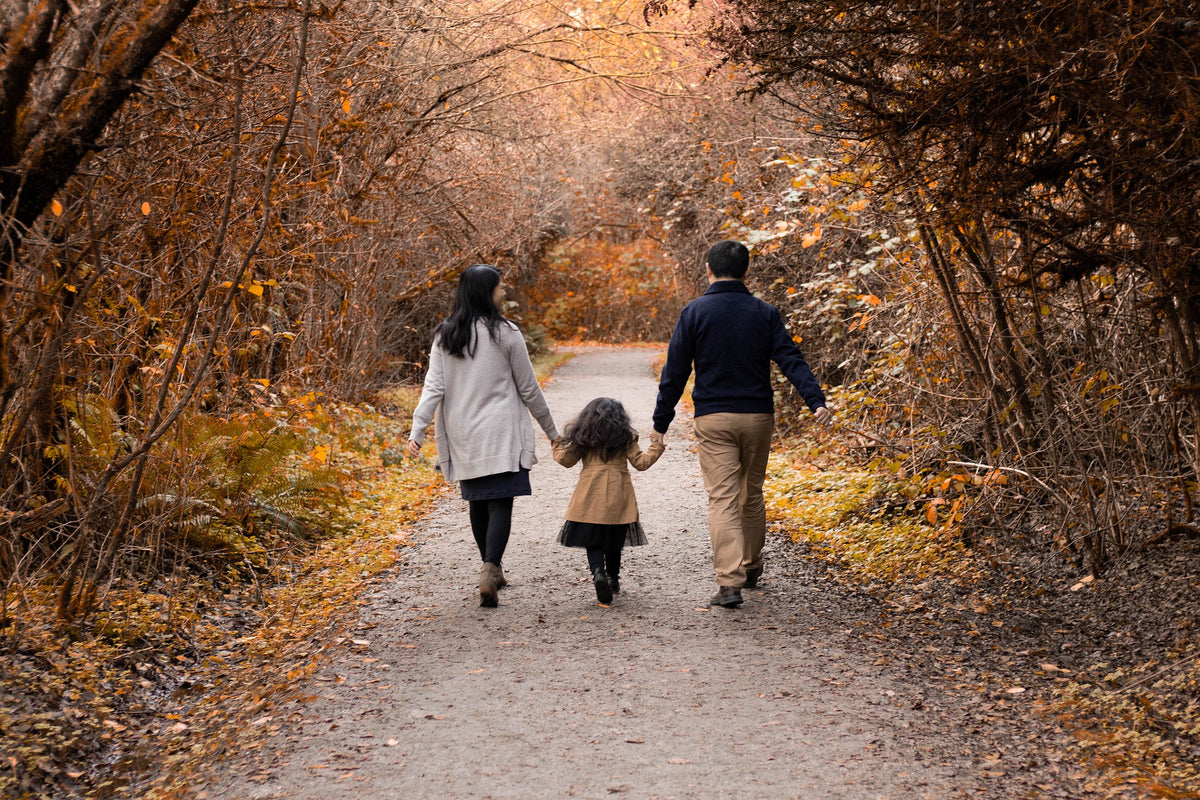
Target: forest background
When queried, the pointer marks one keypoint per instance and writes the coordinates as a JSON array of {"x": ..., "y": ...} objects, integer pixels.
[{"x": 229, "y": 228}]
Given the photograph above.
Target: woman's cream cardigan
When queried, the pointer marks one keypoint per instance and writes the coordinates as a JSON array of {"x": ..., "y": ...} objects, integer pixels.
[{"x": 480, "y": 403}]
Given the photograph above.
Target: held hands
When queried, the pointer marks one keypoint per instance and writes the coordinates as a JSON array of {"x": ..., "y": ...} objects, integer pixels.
[
  {"x": 824, "y": 416},
  {"x": 657, "y": 438}
]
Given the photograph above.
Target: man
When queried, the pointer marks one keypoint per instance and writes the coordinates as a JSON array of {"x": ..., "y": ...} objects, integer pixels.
[{"x": 732, "y": 337}]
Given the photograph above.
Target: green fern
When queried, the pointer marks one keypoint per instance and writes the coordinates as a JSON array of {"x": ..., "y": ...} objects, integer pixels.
[{"x": 243, "y": 477}]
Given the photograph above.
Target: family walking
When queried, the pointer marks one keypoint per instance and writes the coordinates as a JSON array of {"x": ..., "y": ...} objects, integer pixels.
[{"x": 481, "y": 387}]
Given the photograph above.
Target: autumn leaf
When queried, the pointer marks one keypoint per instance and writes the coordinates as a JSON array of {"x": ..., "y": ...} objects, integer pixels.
[{"x": 931, "y": 509}]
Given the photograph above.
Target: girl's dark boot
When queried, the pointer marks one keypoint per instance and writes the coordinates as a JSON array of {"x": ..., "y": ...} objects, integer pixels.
[{"x": 604, "y": 592}]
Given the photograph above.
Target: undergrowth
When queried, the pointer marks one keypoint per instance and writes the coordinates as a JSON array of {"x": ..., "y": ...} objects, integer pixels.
[
  {"x": 1137, "y": 725},
  {"x": 1140, "y": 724}
]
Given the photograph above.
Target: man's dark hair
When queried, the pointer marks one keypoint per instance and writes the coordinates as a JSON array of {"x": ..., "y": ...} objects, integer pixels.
[{"x": 728, "y": 259}]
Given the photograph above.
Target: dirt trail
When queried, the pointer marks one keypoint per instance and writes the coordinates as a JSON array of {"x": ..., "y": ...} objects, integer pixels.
[{"x": 551, "y": 695}]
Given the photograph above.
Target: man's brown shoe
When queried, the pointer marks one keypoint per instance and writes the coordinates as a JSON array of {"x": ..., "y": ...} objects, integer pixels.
[
  {"x": 727, "y": 597},
  {"x": 752, "y": 576}
]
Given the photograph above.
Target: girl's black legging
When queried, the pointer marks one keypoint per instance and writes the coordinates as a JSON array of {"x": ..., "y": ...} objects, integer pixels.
[
  {"x": 608, "y": 560},
  {"x": 491, "y": 522}
]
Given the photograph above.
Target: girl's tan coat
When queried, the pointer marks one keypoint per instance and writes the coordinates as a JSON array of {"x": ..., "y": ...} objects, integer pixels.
[{"x": 604, "y": 493}]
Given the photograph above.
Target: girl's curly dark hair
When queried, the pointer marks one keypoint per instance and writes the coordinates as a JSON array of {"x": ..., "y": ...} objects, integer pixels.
[{"x": 602, "y": 428}]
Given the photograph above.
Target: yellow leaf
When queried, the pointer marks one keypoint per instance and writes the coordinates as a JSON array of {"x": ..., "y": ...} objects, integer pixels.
[
  {"x": 812, "y": 238},
  {"x": 320, "y": 453},
  {"x": 56, "y": 208},
  {"x": 346, "y": 105},
  {"x": 870, "y": 299},
  {"x": 145, "y": 209},
  {"x": 255, "y": 289}
]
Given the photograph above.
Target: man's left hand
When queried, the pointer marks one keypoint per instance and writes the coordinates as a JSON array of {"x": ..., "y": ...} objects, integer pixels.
[{"x": 824, "y": 416}]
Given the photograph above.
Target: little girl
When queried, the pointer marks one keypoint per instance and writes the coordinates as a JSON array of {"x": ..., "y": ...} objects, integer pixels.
[{"x": 602, "y": 515}]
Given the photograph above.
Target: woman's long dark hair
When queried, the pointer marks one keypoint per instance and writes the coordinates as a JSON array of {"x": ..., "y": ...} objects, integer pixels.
[
  {"x": 602, "y": 428},
  {"x": 472, "y": 301}
]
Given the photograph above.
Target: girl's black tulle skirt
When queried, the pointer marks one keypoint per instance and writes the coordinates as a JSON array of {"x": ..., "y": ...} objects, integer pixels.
[{"x": 606, "y": 537}]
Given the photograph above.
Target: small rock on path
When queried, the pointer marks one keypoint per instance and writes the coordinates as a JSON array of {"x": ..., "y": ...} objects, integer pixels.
[{"x": 552, "y": 695}]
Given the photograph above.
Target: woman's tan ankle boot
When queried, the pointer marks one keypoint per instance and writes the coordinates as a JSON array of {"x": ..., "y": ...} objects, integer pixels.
[{"x": 489, "y": 584}]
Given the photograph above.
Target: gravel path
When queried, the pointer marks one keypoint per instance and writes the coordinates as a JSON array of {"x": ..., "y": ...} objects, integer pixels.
[{"x": 551, "y": 695}]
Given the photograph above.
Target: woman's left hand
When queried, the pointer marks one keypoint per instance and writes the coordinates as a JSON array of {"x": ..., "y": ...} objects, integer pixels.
[{"x": 414, "y": 449}]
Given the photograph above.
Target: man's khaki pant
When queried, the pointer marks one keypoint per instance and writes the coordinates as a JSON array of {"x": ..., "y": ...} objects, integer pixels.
[{"x": 733, "y": 462}]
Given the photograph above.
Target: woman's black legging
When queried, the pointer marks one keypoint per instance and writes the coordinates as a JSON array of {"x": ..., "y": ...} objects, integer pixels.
[{"x": 491, "y": 522}]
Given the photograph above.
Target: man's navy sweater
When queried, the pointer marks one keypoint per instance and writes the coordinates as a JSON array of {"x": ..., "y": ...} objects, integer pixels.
[{"x": 732, "y": 337}]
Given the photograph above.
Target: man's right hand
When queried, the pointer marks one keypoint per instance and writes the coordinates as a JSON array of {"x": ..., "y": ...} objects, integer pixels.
[
  {"x": 657, "y": 438},
  {"x": 824, "y": 416}
]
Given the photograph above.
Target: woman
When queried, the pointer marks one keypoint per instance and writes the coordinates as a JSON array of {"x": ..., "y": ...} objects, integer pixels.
[{"x": 480, "y": 383}]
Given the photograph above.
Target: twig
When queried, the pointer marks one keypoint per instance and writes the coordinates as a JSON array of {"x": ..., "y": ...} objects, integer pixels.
[
  {"x": 859, "y": 432},
  {"x": 1167, "y": 668},
  {"x": 1022, "y": 472}
]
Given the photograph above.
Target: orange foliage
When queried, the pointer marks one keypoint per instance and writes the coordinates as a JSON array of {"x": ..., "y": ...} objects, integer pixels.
[{"x": 607, "y": 291}]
